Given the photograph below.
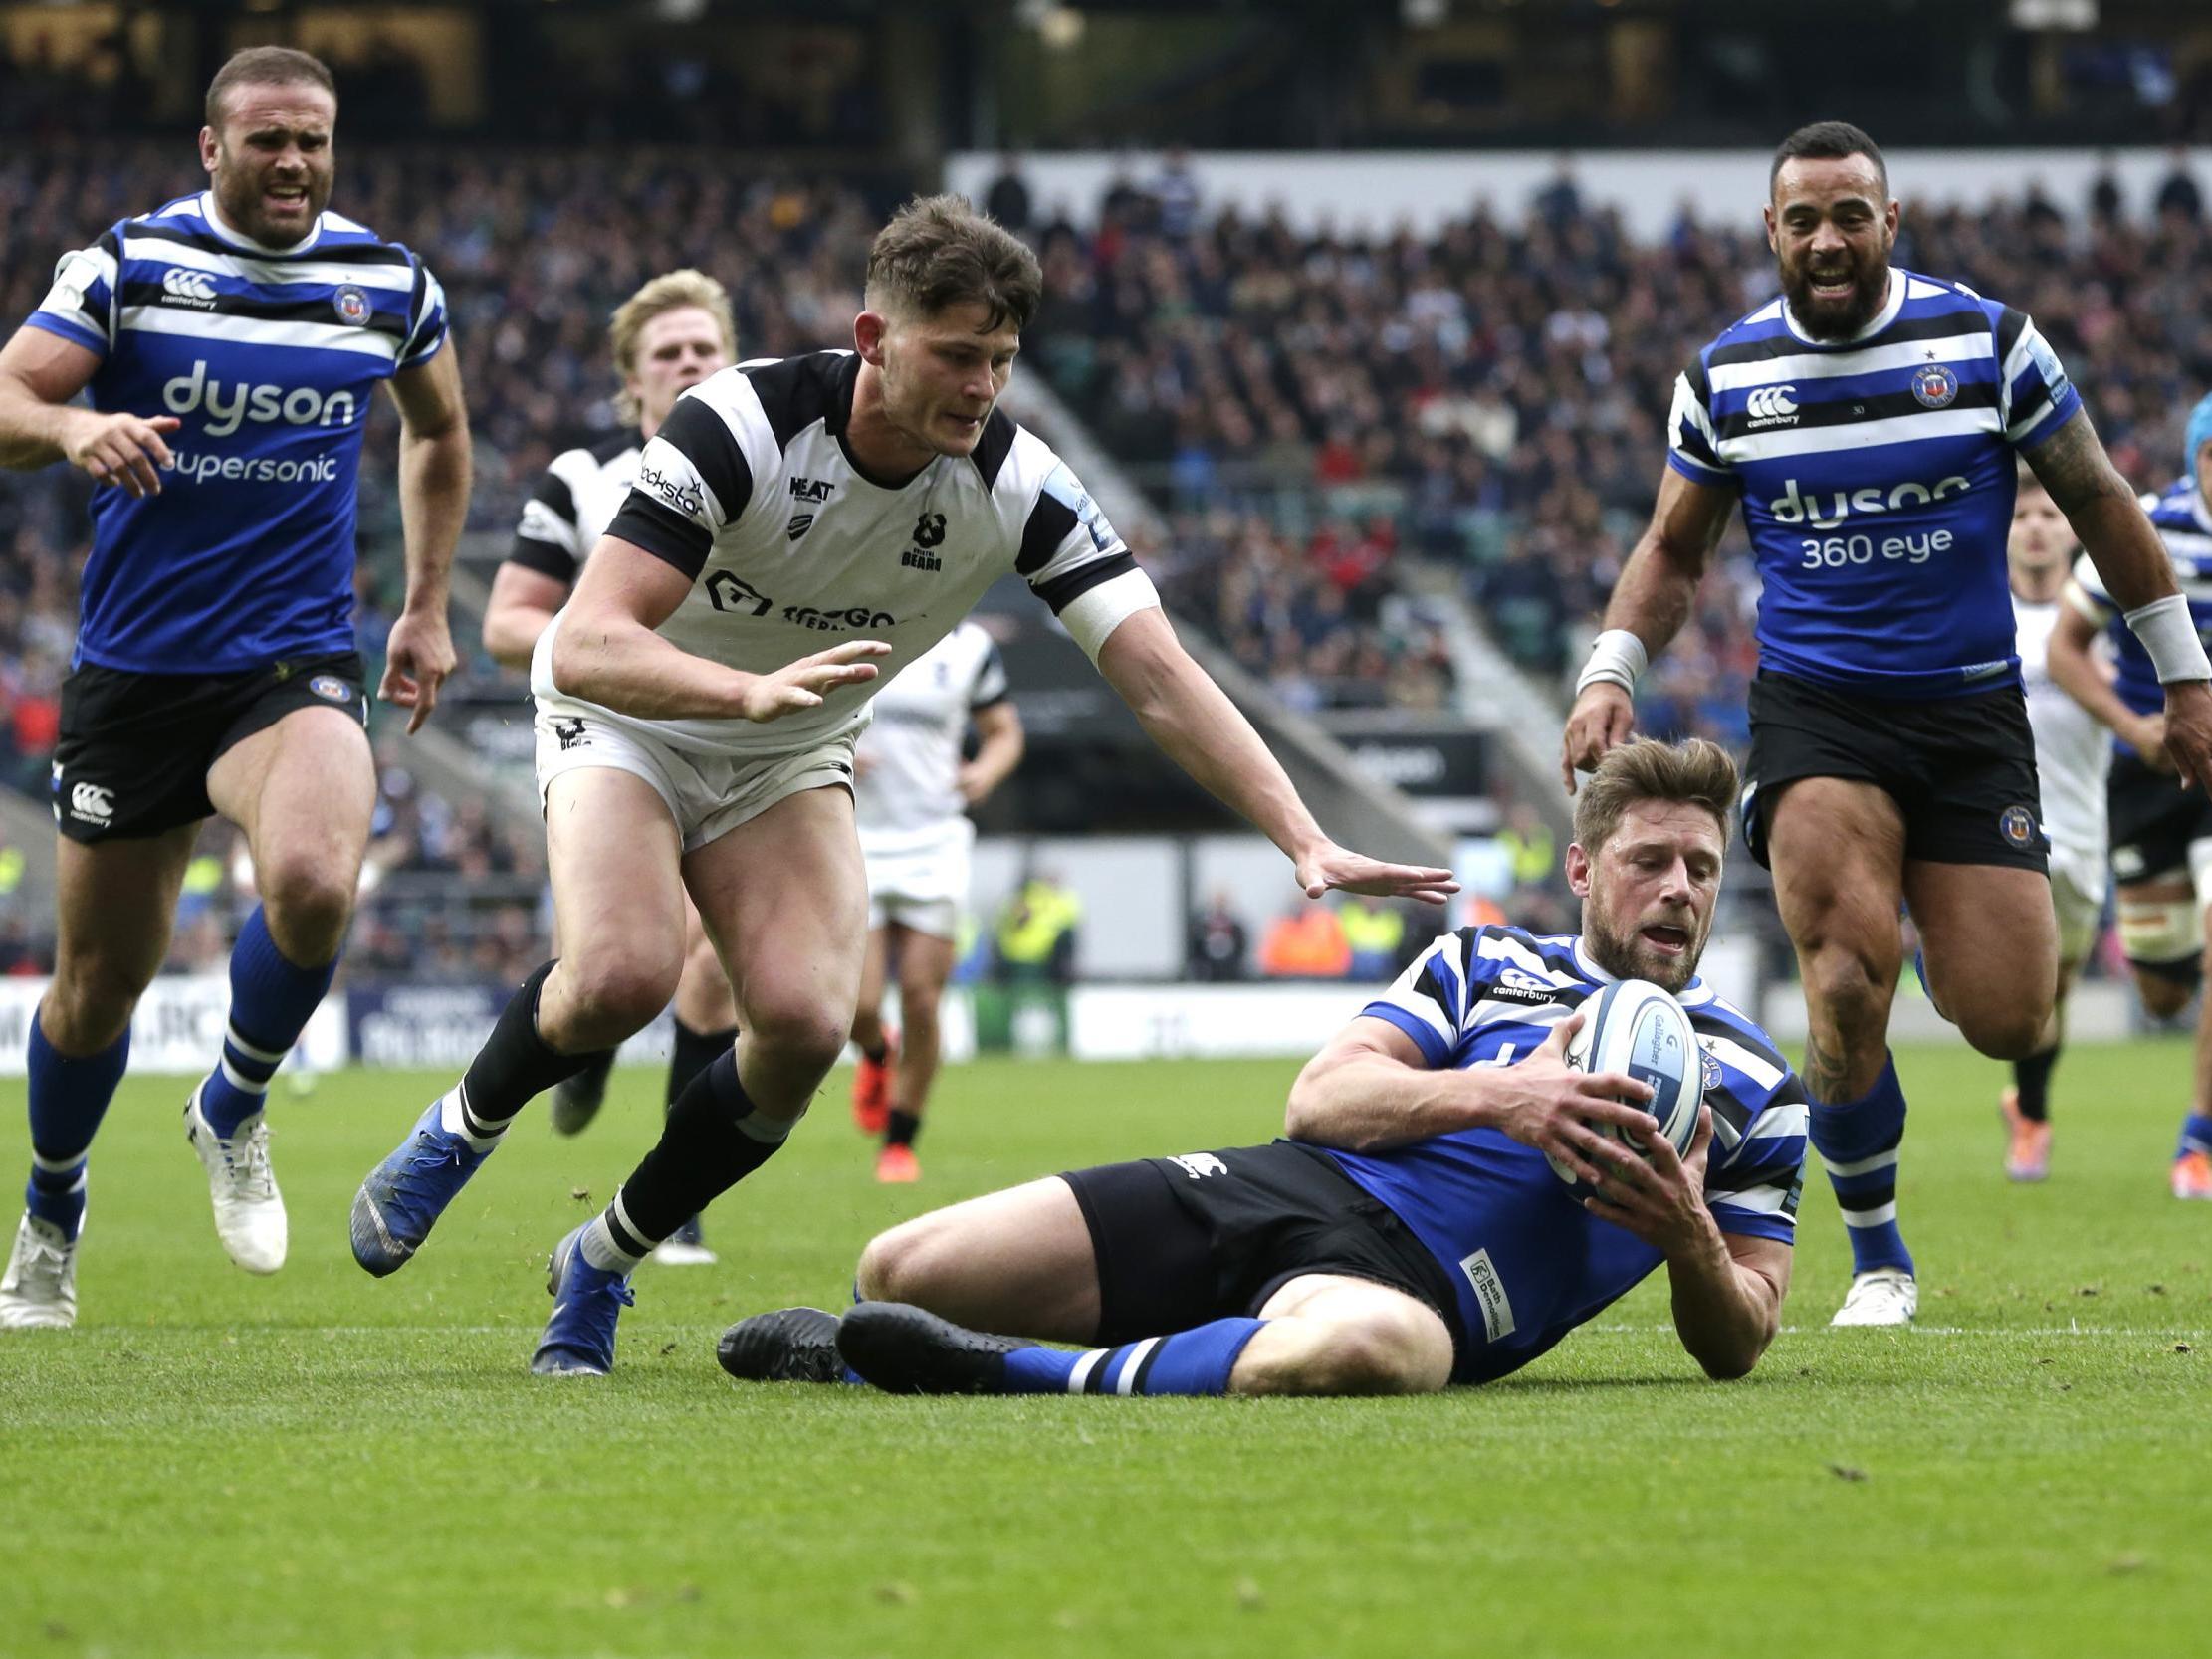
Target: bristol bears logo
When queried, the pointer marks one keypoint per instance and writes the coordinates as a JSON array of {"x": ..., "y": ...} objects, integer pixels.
[
  {"x": 1936, "y": 386},
  {"x": 351, "y": 303},
  {"x": 2018, "y": 826}
]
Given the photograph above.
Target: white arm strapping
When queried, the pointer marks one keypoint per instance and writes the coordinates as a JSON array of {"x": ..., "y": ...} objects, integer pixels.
[
  {"x": 2169, "y": 634},
  {"x": 1617, "y": 656},
  {"x": 1090, "y": 617}
]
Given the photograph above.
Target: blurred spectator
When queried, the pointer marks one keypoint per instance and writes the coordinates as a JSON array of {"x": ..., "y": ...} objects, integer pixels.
[
  {"x": 1037, "y": 932},
  {"x": 1007, "y": 197},
  {"x": 1306, "y": 943},
  {"x": 1374, "y": 937},
  {"x": 1215, "y": 952}
]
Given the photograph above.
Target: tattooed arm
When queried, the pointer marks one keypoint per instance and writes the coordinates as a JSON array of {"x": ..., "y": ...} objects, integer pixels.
[
  {"x": 2121, "y": 543},
  {"x": 2110, "y": 523}
]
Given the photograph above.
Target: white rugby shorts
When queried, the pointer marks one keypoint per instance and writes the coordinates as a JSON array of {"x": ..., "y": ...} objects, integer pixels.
[
  {"x": 707, "y": 794},
  {"x": 923, "y": 886}
]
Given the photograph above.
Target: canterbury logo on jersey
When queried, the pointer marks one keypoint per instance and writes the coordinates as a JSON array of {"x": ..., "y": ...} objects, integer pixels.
[
  {"x": 1771, "y": 406},
  {"x": 182, "y": 286}
]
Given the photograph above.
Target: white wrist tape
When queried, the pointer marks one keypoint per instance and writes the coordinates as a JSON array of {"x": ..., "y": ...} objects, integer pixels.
[
  {"x": 1618, "y": 657},
  {"x": 2169, "y": 634}
]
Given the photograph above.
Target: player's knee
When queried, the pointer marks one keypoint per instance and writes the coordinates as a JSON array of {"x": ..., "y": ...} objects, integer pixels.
[
  {"x": 307, "y": 903},
  {"x": 2006, "y": 1032},
  {"x": 1849, "y": 986},
  {"x": 613, "y": 992},
  {"x": 88, "y": 1005},
  {"x": 897, "y": 1265},
  {"x": 801, "y": 1031}
]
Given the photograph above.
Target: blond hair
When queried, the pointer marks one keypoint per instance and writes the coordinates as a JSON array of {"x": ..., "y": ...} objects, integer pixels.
[
  {"x": 938, "y": 252},
  {"x": 1696, "y": 772},
  {"x": 672, "y": 290}
]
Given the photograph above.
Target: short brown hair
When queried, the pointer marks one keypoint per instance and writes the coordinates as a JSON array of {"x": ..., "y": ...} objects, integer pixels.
[
  {"x": 672, "y": 290},
  {"x": 1695, "y": 771},
  {"x": 266, "y": 66},
  {"x": 938, "y": 250}
]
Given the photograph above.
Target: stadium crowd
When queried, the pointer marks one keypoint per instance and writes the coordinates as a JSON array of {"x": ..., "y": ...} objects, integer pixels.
[{"x": 1312, "y": 412}]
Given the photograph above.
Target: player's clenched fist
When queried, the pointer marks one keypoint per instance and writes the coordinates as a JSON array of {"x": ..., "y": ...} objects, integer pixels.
[
  {"x": 1600, "y": 720},
  {"x": 803, "y": 684},
  {"x": 122, "y": 449}
]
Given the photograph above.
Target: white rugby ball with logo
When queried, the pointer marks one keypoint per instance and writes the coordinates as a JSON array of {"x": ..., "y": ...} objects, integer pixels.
[{"x": 1636, "y": 1029}]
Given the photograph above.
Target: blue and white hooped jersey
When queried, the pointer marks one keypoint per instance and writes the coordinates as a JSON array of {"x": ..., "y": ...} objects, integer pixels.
[
  {"x": 2184, "y": 525},
  {"x": 1878, "y": 476},
  {"x": 269, "y": 356},
  {"x": 1529, "y": 1263}
]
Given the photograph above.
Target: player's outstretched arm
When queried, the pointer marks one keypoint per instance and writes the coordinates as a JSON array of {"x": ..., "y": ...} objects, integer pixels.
[
  {"x": 1650, "y": 604},
  {"x": 2131, "y": 563},
  {"x": 1202, "y": 730},
  {"x": 1727, "y": 1287},
  {"x": 434, "y": 472},
  {"x": 1000, "y": 744},
  {"x": 38, "y": 374},
  {"x": 1370, "y": 1089},
  {"x": 606, "y": 651},
  {"x": 2076, "y": 672}
]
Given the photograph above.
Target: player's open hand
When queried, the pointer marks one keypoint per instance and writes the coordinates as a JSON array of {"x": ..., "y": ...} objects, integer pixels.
[
  {"x": 417, "y": 658},
  {"x": 2189, "y": 731},
  {"x": 803, "y": 684},
  {"x": 1555, "y": 1104},
  {"x": 1658, "y": 1196},
  {"x": 1339, "y": 867},
  {"x": 124, "y": 450},
  {"x": 1601, "y": 720}
]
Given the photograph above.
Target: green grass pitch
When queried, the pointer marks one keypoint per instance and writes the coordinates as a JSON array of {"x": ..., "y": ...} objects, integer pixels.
[{"x": 321, "y": 1463}]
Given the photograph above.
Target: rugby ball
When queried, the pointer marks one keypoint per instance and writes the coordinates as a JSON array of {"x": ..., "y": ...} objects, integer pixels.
[{"x": 1634, "y": 1028}]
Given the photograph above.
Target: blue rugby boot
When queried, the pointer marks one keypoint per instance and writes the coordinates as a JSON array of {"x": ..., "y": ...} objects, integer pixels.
[
  {"x": 587, "y": 1300},
  {"x": 404, "y": 1195}
]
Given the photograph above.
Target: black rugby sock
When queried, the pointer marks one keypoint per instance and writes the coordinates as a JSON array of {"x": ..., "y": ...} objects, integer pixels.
[
  {"x": 2032, "y": 1077},
  {"x": 694, "y": 1052},
  {"x": 714, "y": 1137},
  {"x": 515, "y": 1063}
]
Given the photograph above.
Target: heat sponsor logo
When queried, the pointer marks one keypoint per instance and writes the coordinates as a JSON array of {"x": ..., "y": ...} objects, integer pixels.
[
  {"x": 1827, "y": 508},
  {"x": 231, "y": 405}
]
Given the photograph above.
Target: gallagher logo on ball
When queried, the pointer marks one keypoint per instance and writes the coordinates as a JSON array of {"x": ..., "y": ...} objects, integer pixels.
[{"x": 1936, "y": 386}]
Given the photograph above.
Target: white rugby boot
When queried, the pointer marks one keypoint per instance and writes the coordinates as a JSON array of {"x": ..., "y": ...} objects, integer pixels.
[
  {"x": 1884, "y": 1296},
  {"x": 39, "y": 1290},
  {"x": 248, "y": 1212}
]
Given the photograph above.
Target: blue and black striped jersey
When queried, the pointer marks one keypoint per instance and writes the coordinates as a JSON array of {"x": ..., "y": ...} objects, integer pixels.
[
  {"x": 269, "y": 357},
  {"x": 1528, "y": 1262},
  {"x": 1878, "y": 476}
]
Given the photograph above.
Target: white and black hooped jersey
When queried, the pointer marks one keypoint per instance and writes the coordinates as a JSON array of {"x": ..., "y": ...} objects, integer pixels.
[
  {"x": 748, "y": 489},
  {"x": 909, "y": 794},
  {"x": 573, "y": 506}
]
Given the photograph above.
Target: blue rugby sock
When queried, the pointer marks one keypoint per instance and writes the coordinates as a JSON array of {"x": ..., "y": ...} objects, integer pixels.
[
  {"x": 2196, "y": 1135},
  {"x": 67, "y": 1099},
  {"x": 1194, "y": 1362},
  {"x": 1857, "y": 1141},
  {"x": 270, "y": 998}
]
